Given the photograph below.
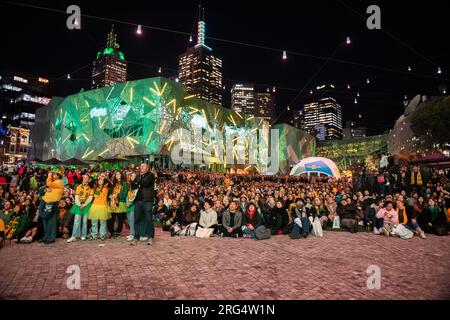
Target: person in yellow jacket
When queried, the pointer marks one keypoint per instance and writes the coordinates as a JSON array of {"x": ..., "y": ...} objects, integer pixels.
[
  {"x": 49, "y": 205},
  {"x": 99, "y": 210}
]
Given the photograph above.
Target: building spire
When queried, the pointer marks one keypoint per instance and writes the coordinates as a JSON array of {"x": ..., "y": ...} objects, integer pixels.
[
  {"x": 201, "y": 25},
  {"x": 111, "y": 41}
]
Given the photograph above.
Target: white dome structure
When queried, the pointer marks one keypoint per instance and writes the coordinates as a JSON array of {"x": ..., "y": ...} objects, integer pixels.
[{"x": 316, "y": 165}]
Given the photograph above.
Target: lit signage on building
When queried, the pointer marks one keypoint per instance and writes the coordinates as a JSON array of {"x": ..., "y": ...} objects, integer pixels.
[
  {"x": 34, "y": 99},
  {"x": 98, "y": 112},
  {"x": 43, "y": 80},
  {"x": 20, "y": 79},
  {"x": 12, "y": 88}
]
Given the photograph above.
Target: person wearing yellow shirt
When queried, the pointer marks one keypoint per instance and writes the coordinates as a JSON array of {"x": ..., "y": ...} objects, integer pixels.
[
  {"x": 99, "y": 210},
  {"x": 49, "y": 205},
  {"x": 84, "y": 195}
]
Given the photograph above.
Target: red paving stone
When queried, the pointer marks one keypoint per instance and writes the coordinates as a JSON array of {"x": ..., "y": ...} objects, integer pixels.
[{"x": 332, "y": 267}]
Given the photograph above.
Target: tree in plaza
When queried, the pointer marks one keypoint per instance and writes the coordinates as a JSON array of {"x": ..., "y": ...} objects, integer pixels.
[{"x": 431, "y": 121}]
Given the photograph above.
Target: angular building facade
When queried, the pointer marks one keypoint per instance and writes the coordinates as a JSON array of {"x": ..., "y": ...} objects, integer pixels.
[
  {"x": 323, "y": 118},
  {"x": 138, "y": 119}
]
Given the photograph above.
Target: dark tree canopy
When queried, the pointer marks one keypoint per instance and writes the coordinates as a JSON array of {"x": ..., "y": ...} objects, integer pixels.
[{"x": 433, "y": 118}]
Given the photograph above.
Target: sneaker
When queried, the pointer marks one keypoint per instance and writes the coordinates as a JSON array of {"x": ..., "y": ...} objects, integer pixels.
[
  {"x": 130, "y": 238},
  {"x": 23, "y": 240},
  {"x": 83, "y": 238},
  {"x": 305, "y": 235},
  {"x": 143, "y": 238},
  {"x": 384, "y": 230},
  {"x": 150, "y": 241},
  {"x": 134, "y": 242},
  {"x": 422, "y": 235},
  {"x": 71, "y": 239},
  {"x": 376, "y": 231}
]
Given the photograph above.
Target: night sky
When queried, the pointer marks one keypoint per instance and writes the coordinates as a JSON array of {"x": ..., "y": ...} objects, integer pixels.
[{"x": 37, "y": 43}]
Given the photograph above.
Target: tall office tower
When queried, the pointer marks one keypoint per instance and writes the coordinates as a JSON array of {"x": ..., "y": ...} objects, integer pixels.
[
  {"x": 110, "y": 66},
  {"x": 265, "y": 105},
  {"x": 299, "y": 120},
  {"x": 200, "y": 70},
  {"x": 243, "y": 98},
  {"x": 323, "y": 117}
]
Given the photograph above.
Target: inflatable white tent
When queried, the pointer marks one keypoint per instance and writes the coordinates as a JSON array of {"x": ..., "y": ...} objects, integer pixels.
[{"x": 316, "y": 165}]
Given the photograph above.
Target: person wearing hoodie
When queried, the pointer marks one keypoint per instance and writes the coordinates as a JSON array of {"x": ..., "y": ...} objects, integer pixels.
[
  {"x": 390, "y": 218},
  {"x": 302, "y": 225},
  {"x": 251, "y": 220}
]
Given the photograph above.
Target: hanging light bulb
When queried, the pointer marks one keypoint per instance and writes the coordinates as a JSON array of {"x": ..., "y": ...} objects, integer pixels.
[
  {"x": 190, "y": 38},
  {"x": 405, "y": 97},
  {"x": 357, "y": 94},
  {"x": 348, "y": 87},
  {"x": 159, "y": 70},
  {"x": 439, "y": 70},
  {"x": 310, "y": 92},
  {"x": 273, "y": 89},
  {"x": 139, "y": 29},
  {"x": 444, "y": 91},
  {"x": 348, "y": 41},
  {"x": 224, "y": 87},
  {"x": 360, "y": 116},
  {"x": 409, "y": 68},
  {"x": 177, "y": 80},
  {"x": 368, "y": 81},
  {"x": 68, "y": 76},
  {"x": 288, "y": 108},
  {"x": 75, "y": 22},
  {"x": 284, "y": 55},
  {"x": 356, "y": 101},
  {"x": 268, "y": 90}
]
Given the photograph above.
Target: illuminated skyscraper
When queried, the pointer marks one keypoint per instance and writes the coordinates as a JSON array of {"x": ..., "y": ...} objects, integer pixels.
[
  {"x": 243, "y": 98},
  {"x": 246, "y": 99},
  {"x": 110, "y": 66},
  {"x": 323, "y": 117},
  {"x": 200, "y": 70},
  {"x": 264, "y": 105}
]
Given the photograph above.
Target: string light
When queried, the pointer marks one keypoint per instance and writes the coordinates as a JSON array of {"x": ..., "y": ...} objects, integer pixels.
[
  {"x": 409, "y": 68},
  {"x": 273, "y": 89},
  {"x": 348, "y": 41},
  {"x": 310, "y": 92},
  {"x": 405, "y": 97},
  {"x": 177, "y": 80},
  {"x": 284, "y": 55},
  {"x": 357, "y": 94},
  {"x": 68, "y": 76},
  {"x": 288, "y": 108},
  {"x": 348, "y": 87},
  {"x": 190, "y": 38},
  {"x": 368, "y": 81},
  {"x": 360, "y": 116},
  {"x": 356, "y": 101},
  {"x": 159, "y": 70},
  {"x": 139, "y": 29},
  {"x": 439, "y": 70}
]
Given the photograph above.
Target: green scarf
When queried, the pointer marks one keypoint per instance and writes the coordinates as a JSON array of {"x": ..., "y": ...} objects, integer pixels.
[{"x": 434, "y": 212}]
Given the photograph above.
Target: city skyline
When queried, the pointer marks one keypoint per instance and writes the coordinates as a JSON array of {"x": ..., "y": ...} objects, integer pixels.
[{"x": 154, "y": 50}]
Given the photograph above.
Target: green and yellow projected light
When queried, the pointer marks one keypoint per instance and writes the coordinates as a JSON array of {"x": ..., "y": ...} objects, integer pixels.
[{"x": 134, "y": 118}]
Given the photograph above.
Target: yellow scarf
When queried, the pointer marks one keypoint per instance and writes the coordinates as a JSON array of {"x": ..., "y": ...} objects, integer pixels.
[{"x": 418, "y": 182}]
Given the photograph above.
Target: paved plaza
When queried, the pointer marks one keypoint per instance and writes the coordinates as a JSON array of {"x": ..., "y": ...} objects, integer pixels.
[{"x": 332, "y": 267}]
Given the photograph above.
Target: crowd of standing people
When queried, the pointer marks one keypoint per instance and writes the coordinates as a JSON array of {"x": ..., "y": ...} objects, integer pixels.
[{"x": 41, "y": 205}]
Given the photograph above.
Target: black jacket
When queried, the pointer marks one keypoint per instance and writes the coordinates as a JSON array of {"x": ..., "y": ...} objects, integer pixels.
[
  {"x": 146, "y": 186},
  {"x": 346, "y": 212}
]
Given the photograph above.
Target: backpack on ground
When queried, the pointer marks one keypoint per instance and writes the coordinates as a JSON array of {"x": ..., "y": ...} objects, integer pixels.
[{"x": 262, "y": 233}]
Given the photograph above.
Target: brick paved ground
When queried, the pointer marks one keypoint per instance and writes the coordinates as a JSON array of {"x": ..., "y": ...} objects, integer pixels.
[{"x": 333, "y": 267}]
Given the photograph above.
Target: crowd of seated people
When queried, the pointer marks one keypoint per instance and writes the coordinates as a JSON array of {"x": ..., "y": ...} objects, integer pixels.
[{"x": 43, "y": 204}]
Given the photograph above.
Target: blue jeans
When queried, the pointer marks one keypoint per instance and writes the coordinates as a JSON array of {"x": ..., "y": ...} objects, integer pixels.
[
  {"x": 79, "y": 226},
  {"x": 246, "y": 230},
  {"x": 297, "y": 230},
  {"x": 130, "y": 218},
  {"x": 49, "y": 224},
  {"x": 94, "y": 228},
  {"x": 143, "y": 220},
  {"x": 412, "y": 226}
]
